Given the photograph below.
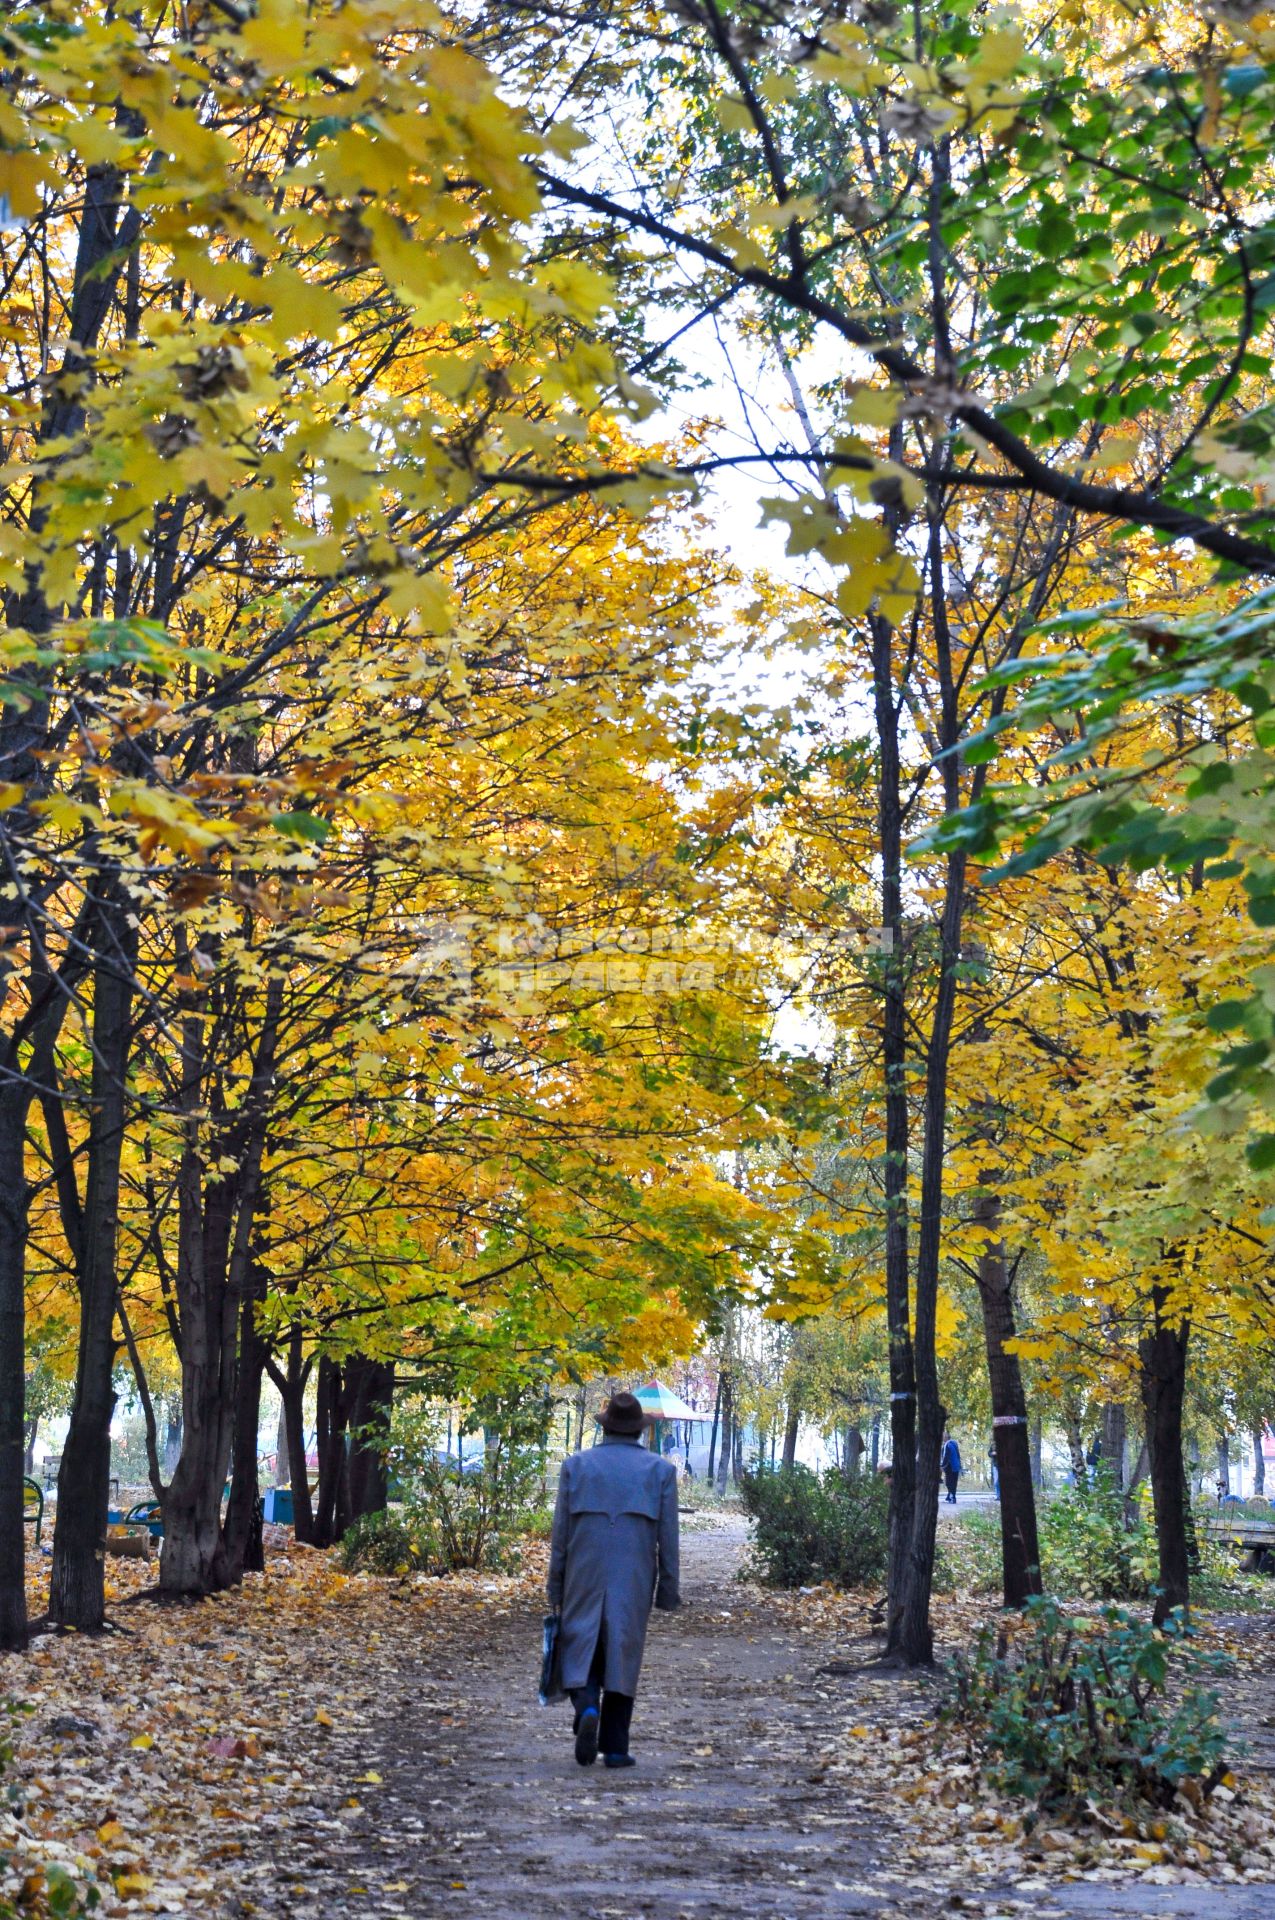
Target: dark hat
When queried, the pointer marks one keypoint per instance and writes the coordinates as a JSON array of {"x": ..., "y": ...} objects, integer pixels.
[{"x": 624, "y": 1414}]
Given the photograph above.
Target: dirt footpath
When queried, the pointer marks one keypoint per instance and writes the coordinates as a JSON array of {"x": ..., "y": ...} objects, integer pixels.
[
  {"x": 458, "y": 1795},
  {"x": 483, "y": 1814}
]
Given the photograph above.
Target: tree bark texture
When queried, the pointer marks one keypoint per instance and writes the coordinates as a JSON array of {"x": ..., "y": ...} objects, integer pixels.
[
  {"x": 792, "y": 1427},
  {"x": 1163, "y": 1352},
  {"x": 217, "y": 1216},
  {"x": 14, "y": 1204},
  {"x": 897, "y": 1121},
  {"x": 712, "y": 1438},
  {"x": 77, "y": 1593},
  {"x": 1114, "y": 1436},
  {"x": 1020, "y": 1547}
]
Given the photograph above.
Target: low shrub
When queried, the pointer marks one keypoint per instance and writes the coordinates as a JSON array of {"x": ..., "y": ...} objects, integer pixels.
[
  {"x": 1060, "y": 1710},
  {"x": 1095, "y": 1545},
  {"x": 380, "y": 1543},
  {"x": 809, "y": 1528},
  {"x": 537, "y": 1523},
  {"x": 448, "y": 1520}
]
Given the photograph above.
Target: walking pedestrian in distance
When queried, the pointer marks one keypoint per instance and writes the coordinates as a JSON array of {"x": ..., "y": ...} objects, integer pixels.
[
  {"x": 614, "y": 1549},
  {"x": 951, "y": 1463}
]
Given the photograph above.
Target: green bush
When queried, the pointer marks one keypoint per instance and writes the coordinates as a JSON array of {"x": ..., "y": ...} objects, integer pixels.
[
  {"x": 1062, "y": 1710},
  {"x": 808, "y": 1527},
  {"x": 537, "y": 1522},
  {"x": 445, "y": 1520},
  {"x": 380, "y": 1543},
  {"x": 1092, "y": 1550},
  {"x": 1090, "y": 1546}
]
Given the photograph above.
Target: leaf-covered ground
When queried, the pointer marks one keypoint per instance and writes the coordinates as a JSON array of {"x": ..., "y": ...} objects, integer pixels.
[{"x": 324, "y": 1745}]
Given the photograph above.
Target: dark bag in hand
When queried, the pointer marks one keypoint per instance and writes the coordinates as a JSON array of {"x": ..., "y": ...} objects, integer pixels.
[{"x": 551, "y": 1687}]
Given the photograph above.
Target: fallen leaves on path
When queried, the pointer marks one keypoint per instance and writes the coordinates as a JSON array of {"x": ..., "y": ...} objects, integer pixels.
[
  {"x": 155, "y": 1760},
  {"x": 203, "y": 1759}
]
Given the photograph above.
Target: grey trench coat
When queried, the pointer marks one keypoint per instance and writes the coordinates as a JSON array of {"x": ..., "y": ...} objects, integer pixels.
[{"x": 614, "y": 1548}]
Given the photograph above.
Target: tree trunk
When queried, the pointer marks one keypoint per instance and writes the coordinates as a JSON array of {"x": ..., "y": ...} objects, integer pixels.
[
  {"x": 371, "y": 1397},
  {"x": 1076, "y": 1448},
  {"x": 894, "y": 1049},
  {"x": 1114, "y": 1434},
  {"x": 712, "y": 1440},
  {"x": 77, "y": 1594},
  {"x": 205, "y": 1213},
  {"x": 107, "y": 234},
  {"x": 14, "y": 1202},
  {"x": 1259, "y": 1460},
  {"x": 1224, "y": 1465},
  {"x": 28, "y": 1452},
  {"x": 242, "y": 1545},
  {"x": 1139, "y": 1474},
  {"x": 281, "y": 1447},
  {"x": 329, "y": 1512},
  {"x": 1163, "y": 1352},
  {"x": 856, "y": 1446},
  {"x": 723, "y": 1464},
  {"x": 1140, "y": 1466},
  {"x": 292, "y": 1386},
  {"x": 1020, "y": 1547},
  {"x": 737, "y": 1451},
  {"x": 172, "y": 1434},
  {"x": 216, "y": 1222},
  {"x": 915, "y": 1638},
  {"x": 792, "y": 1427}
]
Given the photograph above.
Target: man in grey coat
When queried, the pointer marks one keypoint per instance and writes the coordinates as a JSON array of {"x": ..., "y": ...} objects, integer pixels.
[{"x": 614, "y": 1549}]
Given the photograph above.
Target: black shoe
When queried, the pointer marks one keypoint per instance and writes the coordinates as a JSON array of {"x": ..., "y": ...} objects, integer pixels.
[
  {"x": 587, "y": 1738},
  {"x": 618, "y": 1760}
]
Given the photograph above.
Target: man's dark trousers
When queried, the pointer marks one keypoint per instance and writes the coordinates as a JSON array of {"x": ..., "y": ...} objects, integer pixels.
[{"x": 616, "y": 1708}]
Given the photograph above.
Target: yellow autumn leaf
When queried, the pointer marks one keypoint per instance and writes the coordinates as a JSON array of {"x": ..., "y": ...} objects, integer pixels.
[{"x": 130, "y": 1883}]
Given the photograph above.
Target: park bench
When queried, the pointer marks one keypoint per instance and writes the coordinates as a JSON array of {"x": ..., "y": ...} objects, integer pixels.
[
  {"x": 1254, "y": 1538},
  {"x": 33, "y": 1506},
  {"x": 144, "y": 1513},
  {"x": 148, "y": 1514}
]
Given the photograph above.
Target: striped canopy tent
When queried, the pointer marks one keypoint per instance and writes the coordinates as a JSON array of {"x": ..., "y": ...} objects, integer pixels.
[{"x": 662, "y": 1404}]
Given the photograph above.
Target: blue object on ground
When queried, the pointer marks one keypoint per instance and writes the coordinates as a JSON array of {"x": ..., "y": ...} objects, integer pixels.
[
  {"x": 277, "y": 1506},
  {"x": 148, "y": 1514}
]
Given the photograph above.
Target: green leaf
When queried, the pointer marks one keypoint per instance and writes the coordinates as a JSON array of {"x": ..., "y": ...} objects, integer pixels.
[
  {"x": 302, "y": 826},
  {"x": 1227, "y": 1014},
  {"x": 1261, "y": 1153}
]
